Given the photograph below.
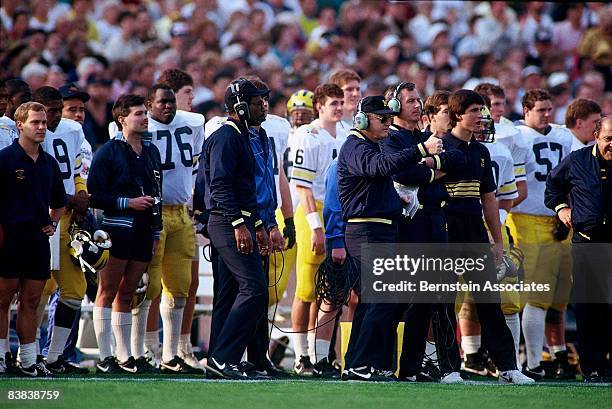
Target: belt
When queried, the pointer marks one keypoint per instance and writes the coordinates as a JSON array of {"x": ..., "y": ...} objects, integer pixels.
[
  {"x": 174, "y": 207},
  {"x": 370, "y": 220},
  {"x": 442, "y": 204},
  {"x": 220, "y": 213}
]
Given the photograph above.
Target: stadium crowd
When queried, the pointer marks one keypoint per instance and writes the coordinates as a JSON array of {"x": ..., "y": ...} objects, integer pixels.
[{"x": 322, "y": 80}]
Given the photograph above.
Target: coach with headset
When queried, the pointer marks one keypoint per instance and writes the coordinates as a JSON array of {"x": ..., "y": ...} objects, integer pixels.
[
  {"x": 235, "y": 229},
  {"x": 371, "y": 207},
  {"x": 428, "y": 225}
]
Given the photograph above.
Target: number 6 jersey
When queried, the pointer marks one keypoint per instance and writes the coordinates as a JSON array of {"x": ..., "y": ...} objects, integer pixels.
[{"x": 548, "y": 151}]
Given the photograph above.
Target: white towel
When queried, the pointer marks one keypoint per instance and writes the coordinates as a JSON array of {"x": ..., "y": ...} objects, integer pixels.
[{"x": 54, "y": 242}]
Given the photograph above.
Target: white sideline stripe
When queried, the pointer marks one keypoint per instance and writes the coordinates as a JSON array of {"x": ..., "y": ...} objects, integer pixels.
[{"x": 289, "y": 381}]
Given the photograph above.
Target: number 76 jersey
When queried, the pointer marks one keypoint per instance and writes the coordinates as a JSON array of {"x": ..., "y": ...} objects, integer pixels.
[
  {"x": 180, "y": 145},
  {"x": 548, "y": 151}
]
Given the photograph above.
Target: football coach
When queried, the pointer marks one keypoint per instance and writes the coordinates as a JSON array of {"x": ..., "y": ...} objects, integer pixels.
[
  {"x": 371, "y": 207},
  {"x": 579, "y": 189}
]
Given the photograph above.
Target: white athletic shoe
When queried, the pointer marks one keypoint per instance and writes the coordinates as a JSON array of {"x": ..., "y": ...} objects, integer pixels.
[
  {"x": 516, "y": 377},
  {"x": 186, "y": 353},
  {"x": 453, "y": 377}
]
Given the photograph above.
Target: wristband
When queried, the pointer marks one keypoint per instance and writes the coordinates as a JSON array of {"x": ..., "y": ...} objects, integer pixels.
[
  {"x": 314, "y": 221},
  {"x": 503, "y": 215}
]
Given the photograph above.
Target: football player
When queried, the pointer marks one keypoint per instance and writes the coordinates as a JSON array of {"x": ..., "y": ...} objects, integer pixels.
[
  {"x": 182, "y": 85},
  {"x": 580, "y": 118},
  {"x": 7, "y": 136},
  {"x": 63, "y": 141},
  {"x": 178, "y": 135},
  {"x": 509, "y": 135},
  {"x": 300, "y": 111},
  {"x": 533, "y": 226},
  {"x": 350, "y": 83},
  {"x": 18, "y": 92},
  {"x": 502, "y": 165},
  {"x": 313, "y": 148}
]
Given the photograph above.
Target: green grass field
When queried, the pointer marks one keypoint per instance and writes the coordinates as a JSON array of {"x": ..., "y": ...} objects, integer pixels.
[{"x": 170, "y": 393}]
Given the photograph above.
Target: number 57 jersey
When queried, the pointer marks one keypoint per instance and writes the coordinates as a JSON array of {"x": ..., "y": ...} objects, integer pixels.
[
  {"x": 180, "y": 145},
  {"x": 548, "y": 151}
]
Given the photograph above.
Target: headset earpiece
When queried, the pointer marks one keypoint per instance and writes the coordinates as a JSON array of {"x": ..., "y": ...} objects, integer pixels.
[
  {"x": 240, "y": 107},
  {"x": 361, "y": 119},
  {"x": 394, "y": 103}
]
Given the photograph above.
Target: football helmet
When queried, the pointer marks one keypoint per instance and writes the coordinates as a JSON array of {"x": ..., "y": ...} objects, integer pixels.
[
  {"x": 90, "y": 253},
  {"x": 300, "y": 99},
  {"x": 487, "y": 130}
]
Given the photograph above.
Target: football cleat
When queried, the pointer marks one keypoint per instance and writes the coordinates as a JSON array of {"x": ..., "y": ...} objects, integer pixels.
[
  {"x": 325, "y": 370},
  {"x": 218, "y": 370},
  {"x": 420, "y": 377},
  {"x": 177, "y": 366},
  {"x": 595, "y": 377},
  {"x": 536, "y": 373},
  {"x": 303, "y": 367},
  {"x": 129, "y": 365},
  {"x": 38, "y": 370},
  {"x": 63, "y": 367},
  {"x": 516, "y": 377},
  {"x": 108, "y": 366},
  {"x": 249, "y": 369},
  {"x": 452, "y": 378},
  {"x": 564, "y": 369},
  {"x": 366, "y": 374},
  {"x": 187, "y": 355},
  {"x": 144, "y": 366},
  {"x": 153, "y": 355},
  {"x": 474, "y": 364}
]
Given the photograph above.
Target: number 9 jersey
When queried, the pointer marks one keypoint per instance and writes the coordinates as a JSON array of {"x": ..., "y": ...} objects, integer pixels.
[
  {"x": 548, "y": 151},
  {"x": 65, "y": 146}
]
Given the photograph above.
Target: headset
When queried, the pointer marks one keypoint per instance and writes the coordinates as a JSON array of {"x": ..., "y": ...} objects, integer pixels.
[
  {"x": 361, "y": 119},
  {"x": 240, "y": 107},
  {"x": 394, "y": 103}
]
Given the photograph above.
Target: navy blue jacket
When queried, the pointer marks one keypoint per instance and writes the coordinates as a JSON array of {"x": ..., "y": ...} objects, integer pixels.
[
  {"x": 226, "y": 174},
  {"x": 27, "y": 188},
  {"x": 365, "y": 186},
  {"x": 466, "y": 184},
  {"x": 581, "y": 176},
  {"x": 112, "y": 181},
  {"x": 431, "y": 192}
]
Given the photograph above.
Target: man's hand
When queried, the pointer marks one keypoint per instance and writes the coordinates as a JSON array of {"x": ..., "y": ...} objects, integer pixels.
[
  {"x": 276, "y": 238},
  {"x": 498, "y": 253},
  {"x": 317, "y": 241},
  {"x": 289, "y": 232},
  {"x": 438, "y": 174},
  {"x": 428, "y": 161},
  {"x": 433, "y": 145},
  {"x": 244, "y": 242},
  {"x": 263, "y": 240},
  {"x": 80, "y": 202},
  {"x": 338, "y": 255},
  {"x": 49, "y": 230},
  {"x": 155, "y": 244},
  {"x": 141, "y": 203},
  {"x": 565, "y": 215}
]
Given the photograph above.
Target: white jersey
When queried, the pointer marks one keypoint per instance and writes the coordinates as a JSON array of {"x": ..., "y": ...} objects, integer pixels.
[
  {"x": 511, "y": 137},
  {"x": 548, "y": 151},
  {"x": 180, "y": 145},
  {"x": 65, "y": 146},
  {"x": 503, "y": 171},
  {"x": 7, "y": 136},
  {"x": 87, "y": 155},
  {"x": 276, "y": 128},
  {"x": 578, "y": 144},
  {"x": 5, "y": 120},
  {"x": 312, "y": 151}
]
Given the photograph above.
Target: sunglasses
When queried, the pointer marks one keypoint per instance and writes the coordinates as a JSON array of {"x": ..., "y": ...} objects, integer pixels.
[{"x": 384, "y": 119}]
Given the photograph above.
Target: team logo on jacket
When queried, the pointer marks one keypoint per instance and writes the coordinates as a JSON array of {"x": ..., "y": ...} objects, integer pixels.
[{"x": 20, "y": 174}]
